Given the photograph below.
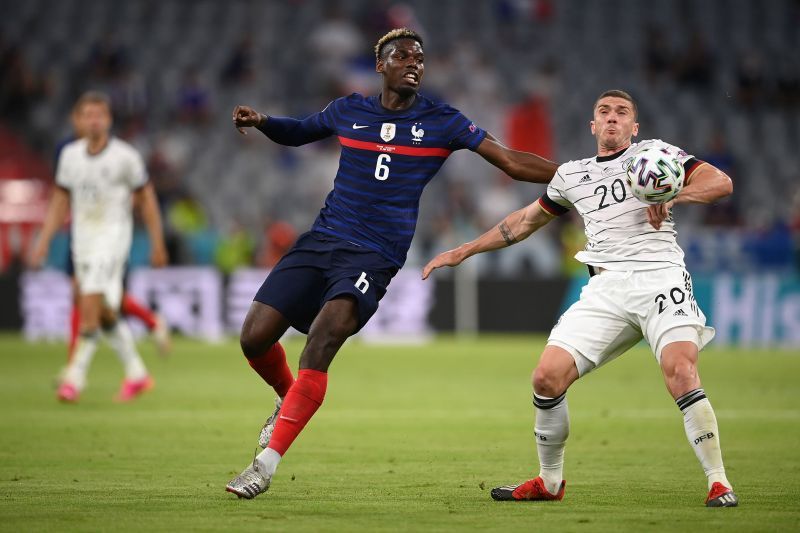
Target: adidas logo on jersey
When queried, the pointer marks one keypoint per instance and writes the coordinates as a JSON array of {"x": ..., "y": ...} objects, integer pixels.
[
  {"x": 679, "y": 312},
  {"x": 585, "y": 179}
]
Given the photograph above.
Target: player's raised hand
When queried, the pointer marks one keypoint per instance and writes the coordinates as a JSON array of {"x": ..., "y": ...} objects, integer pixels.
[
  {"x": 245, "y": 117},
  {"x": 658, "y": 213},
  {"x": 449, "y": 258}
]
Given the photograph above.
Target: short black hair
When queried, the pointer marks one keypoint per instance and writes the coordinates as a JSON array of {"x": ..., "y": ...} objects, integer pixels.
[
  {"x": 618, "y": 93},
  {"x": 393, "y": 35}
]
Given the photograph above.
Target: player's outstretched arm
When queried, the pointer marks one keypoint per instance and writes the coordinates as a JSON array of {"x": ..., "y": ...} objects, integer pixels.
[
  {"x": 145, "y": 199},
  {"x": 282, "y": 130},
  {"x": 706, "y": 184},
  {"x": 522, "y": 166},
  {"x": 56, "y": 213},
  {"x": 516, "y": 227}
]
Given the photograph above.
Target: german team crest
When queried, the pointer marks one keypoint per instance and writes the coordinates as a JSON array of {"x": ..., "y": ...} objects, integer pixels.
[{"x": 387, "y": 131}]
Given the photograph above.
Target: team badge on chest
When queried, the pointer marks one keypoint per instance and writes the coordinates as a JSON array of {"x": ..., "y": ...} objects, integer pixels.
[
  {"x": 387, "y": 131},
  {"x": 417, "y": 133}
]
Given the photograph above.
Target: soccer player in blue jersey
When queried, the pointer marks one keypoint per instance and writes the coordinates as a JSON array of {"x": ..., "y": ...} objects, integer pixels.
[{"x": 329, "y": 284}]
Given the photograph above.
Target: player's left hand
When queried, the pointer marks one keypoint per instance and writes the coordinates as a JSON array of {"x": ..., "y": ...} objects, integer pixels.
[
  {"x": 245, "y": 117},
  {"x": 449, "y": 258},
  {"x": 159, "y": 257},
  {"x": 656, "y": 214}
]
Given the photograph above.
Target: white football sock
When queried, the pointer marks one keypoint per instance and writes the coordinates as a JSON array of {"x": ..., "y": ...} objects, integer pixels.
[
  {"x": 551, "y": 430},
  {"x": 268, "y": 461},
  {"x": 121, "y": 339},
  {"x": 701, "y": 430},
  {"x": 78, "y": 368}
]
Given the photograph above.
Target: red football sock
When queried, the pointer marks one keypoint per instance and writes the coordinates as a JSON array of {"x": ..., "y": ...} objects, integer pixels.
[
  {"x": 74, "y": 327},
  {"x": 300, "y": 404},
  {"x": 133, "y": 308},
  {"x": 273, "y": 369}
]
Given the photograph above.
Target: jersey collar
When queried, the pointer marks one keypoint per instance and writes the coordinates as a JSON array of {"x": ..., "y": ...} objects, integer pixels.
[
  {"x": 379, "y": 106},
  {"x": 602, "y": 158}
]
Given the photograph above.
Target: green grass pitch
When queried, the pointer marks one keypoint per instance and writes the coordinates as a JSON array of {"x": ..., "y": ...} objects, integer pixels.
[{"x": 409, "y": 438}]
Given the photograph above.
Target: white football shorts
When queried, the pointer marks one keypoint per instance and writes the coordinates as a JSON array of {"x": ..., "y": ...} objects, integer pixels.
[
  {"x": 101, "y": 275},
  {"x": 617, "y": 309}
]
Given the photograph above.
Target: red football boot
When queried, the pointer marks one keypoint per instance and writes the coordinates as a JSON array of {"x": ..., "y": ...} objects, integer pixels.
[
  {"x": 130, "y": 389},
  {"x": 721, "y": 496},
  {"x": 531, "y": 490},
  {"x": 68, "y": 393}
]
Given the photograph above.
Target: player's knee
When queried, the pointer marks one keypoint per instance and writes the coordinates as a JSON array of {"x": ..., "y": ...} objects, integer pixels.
[
  {"x": 548, "y": 382},
  {"x": 90, "y": 323},
  {"x": 681, "y": 372},
  {"x": 252, "y": 345},
  {"x": 108, "y": 319},
  {"x": 337, "y": 324},
  {"x": 679, "y": 367},
  {"x": 329, "y": 336}
]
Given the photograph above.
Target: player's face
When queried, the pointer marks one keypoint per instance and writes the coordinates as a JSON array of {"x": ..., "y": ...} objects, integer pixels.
[
  {"x": 403, "y": 66},
  {"x": 614, "y": 122},
  {"x": 92, "y": 120}
]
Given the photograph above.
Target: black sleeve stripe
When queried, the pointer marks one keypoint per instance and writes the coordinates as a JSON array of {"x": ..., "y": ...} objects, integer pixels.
[
  {"x": 690, "y": 165},
  {"x": 552, "y": 207}
]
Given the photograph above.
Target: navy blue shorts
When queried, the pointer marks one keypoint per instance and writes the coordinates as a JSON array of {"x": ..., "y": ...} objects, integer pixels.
[{"x": 319, "y": 268}]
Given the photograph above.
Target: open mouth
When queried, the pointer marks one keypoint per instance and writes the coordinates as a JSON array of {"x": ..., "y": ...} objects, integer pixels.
[{"x": 411, "y": 77}]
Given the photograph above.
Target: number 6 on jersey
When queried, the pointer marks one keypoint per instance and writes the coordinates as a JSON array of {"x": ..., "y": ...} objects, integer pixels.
[{"x": 381, "y": 169}]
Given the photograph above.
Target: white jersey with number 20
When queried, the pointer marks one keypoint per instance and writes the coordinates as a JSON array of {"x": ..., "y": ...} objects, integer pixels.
[{"x": 618, "y": 234}]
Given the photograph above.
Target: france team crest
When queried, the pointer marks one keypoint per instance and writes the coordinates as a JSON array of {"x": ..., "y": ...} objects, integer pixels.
[{"x": 387, "y": 131}]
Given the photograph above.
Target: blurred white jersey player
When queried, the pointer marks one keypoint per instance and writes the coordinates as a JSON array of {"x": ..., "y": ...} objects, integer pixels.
[
  {"x": 639, "y": 288},
  {"x": 101, "y": 177},
  {"x": 100, "y": 187}
]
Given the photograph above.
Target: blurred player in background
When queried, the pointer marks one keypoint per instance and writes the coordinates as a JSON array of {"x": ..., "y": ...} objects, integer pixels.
[
  {"x": 329, "y": 284},
  {"x": 100, "y": 178},
  {"x": 130, "y": 306},
  {"x": 639, "y": 289}
]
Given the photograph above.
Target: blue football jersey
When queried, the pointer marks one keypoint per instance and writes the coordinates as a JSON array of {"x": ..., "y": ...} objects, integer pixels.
[{"x": 387, "y": 158}]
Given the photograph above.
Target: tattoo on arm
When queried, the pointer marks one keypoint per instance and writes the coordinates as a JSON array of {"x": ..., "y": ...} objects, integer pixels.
[{"x": 508, "y": 236}]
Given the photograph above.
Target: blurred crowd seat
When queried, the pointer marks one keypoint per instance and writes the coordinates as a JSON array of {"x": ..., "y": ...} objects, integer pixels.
[{"x": 147, "y": 53}]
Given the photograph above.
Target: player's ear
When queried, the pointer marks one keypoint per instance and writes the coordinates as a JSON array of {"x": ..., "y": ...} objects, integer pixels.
[
  {"x": 379, "y": 67},
  {"x": 635, "y": 130},
  {"x": 591, "y": 126}
]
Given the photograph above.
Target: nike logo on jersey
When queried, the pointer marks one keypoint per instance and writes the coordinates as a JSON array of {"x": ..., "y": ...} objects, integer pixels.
[{"x": 357, "y": 127}]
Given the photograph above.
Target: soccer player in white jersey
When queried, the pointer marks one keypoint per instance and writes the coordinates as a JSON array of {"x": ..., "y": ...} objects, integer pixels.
[
  {"x": 100, "y": 178},
  {"x": 639, "y": 289}
]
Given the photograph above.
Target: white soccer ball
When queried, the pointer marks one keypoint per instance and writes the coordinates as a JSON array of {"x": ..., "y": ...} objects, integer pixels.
[{"x": 655, "y": 176}]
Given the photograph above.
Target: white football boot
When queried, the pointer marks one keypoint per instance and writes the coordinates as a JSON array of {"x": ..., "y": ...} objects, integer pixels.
[{"x": 250, "y": 483}]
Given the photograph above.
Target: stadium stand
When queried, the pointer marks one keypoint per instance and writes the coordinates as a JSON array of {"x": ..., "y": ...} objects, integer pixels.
[{"x": 175, "y": 70}]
